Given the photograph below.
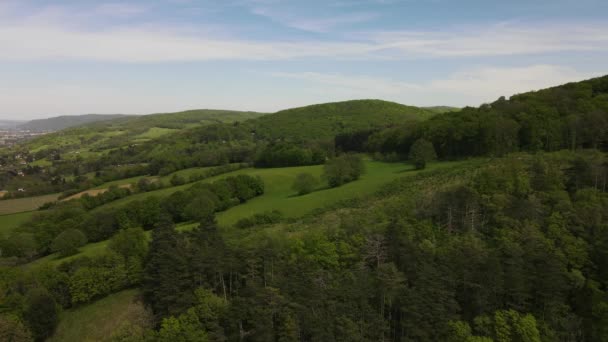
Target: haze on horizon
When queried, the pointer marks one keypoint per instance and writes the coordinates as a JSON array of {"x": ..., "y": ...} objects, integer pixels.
[{"x": 68, "y": 57}]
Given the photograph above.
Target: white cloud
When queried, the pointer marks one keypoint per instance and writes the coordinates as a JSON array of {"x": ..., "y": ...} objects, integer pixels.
[{"x": 471, "y": 87}]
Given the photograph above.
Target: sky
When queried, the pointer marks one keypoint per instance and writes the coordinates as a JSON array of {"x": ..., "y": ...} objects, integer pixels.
[{"x": 67, "y": 57}]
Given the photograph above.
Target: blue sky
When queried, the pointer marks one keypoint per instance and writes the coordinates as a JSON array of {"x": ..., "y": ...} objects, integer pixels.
[{"x": 72, "y": 57}]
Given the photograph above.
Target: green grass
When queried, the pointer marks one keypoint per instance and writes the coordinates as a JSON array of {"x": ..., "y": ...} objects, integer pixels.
[
  {"x": 93, "y": 249},
  {"x": 186, "y": 173},
  {"x": 41, "y": 162},
  {"x": 19, "y": 205},
  {"x": 119, "y": 182},
  {"x": 8, "y": 223},
  {"x": 99, "y": 320},
  {"x": 90, "y": 250},
  {"x": 278, "y": 194},
  {"x": 155, "y": 132}
]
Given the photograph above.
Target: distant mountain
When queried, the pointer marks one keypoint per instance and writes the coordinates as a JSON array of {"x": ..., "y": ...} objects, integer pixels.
[
  {"x": 4, "y": 124},
  {"x": 65, "y": 121},
  {"x": 442, "y": 109}
]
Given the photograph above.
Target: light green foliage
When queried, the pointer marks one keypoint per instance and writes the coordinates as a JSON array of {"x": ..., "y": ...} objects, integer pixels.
[
  {"x": 422, "y": 152},
  {"x": 304, "y": 183},
  {"x": 186, "y": 328},
  {"x": 68, "y": 242}
]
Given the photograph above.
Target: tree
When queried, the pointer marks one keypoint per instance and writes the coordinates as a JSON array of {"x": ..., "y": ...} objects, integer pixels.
[
  {"x": 130, "y": 242},
  {"x": 166, "y": 285},
  {"x": 41, "y": 313},
  {"x": 68, "y": 241},
  {"x": 304, "y": 183},
  {"x": 343, "y": 169},
  {"x": 421, "y": 152},
  {"x": 201, "y": 207}
]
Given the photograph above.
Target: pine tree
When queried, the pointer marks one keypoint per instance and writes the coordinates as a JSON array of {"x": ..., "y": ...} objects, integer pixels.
[{"x": 166, "y": 284}]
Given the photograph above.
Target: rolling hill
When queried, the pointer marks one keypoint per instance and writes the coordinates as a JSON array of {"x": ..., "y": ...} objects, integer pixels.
[
  {"x": 65, "y": 121},
  {"x": 326, "y": 120}
]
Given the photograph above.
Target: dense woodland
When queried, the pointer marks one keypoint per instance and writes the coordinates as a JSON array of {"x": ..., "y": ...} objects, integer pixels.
[{"x": 511, "y": 245}]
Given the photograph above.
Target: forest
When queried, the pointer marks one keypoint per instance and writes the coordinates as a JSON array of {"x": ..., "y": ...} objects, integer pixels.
[{"x": 494, "y": 228}]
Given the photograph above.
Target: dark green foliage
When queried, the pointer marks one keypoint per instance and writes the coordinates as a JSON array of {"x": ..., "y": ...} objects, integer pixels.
[
  {"x": 281, "y": 155},
  {"x": 343, "y": 169},
  {"x": 41, "y": 313},
  {"x": 304, "y": 183},
  {"x": 68, "y": 242},
  {"x": 421, "y": 152},
  {"x": 166, "y": 284}
]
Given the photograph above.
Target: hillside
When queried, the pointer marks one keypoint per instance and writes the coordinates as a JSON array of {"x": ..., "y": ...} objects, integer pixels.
[
  {"x": 62, "y": 122},
  {"x": 322, "y": 121}
]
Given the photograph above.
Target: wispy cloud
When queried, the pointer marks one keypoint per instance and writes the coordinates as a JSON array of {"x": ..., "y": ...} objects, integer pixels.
[
  {"x": 43, "y": 35},
  {"x": 496, "y": 39},
  {"x": 120, "y": 9},
  {"x": 469, "y": 87},
  {"x": 314, "y": 24}
]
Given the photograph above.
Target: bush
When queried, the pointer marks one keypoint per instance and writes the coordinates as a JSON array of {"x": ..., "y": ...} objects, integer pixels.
[
  {"x": 268, "y": 217},
  {"x": 304, "y": 183},
  {"x": 67, "y": 242},
  {"x": 177, "y": 180},
  {"x": 343, "y": 169},
  {"x": 421, "y": 152}
]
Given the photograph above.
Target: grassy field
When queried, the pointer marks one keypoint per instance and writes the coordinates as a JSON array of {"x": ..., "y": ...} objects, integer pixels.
[
  {"x": 9, "y": 222},
  {"x": 278, "y": 194},
  {"x": 154, "y": 132},
  {"x": 90, "y": 250},
  {"x": 99, "y": 320},
  {"x": 19, "y": 205}
]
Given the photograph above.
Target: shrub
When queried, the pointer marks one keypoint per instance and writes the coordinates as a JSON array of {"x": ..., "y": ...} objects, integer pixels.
[
  {"x": 177, "y": 180},
  {"x": 268, "y": 217},
  {"x": 304, "y": 183},
  {"x": 343, "y": 169}
]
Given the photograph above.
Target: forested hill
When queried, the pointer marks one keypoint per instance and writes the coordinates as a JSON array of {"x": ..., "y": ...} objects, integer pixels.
[
  {"x": 570, "y": 116},
  {"x": 66, "y": 121},
  {"x": 326, "y": 120}
]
